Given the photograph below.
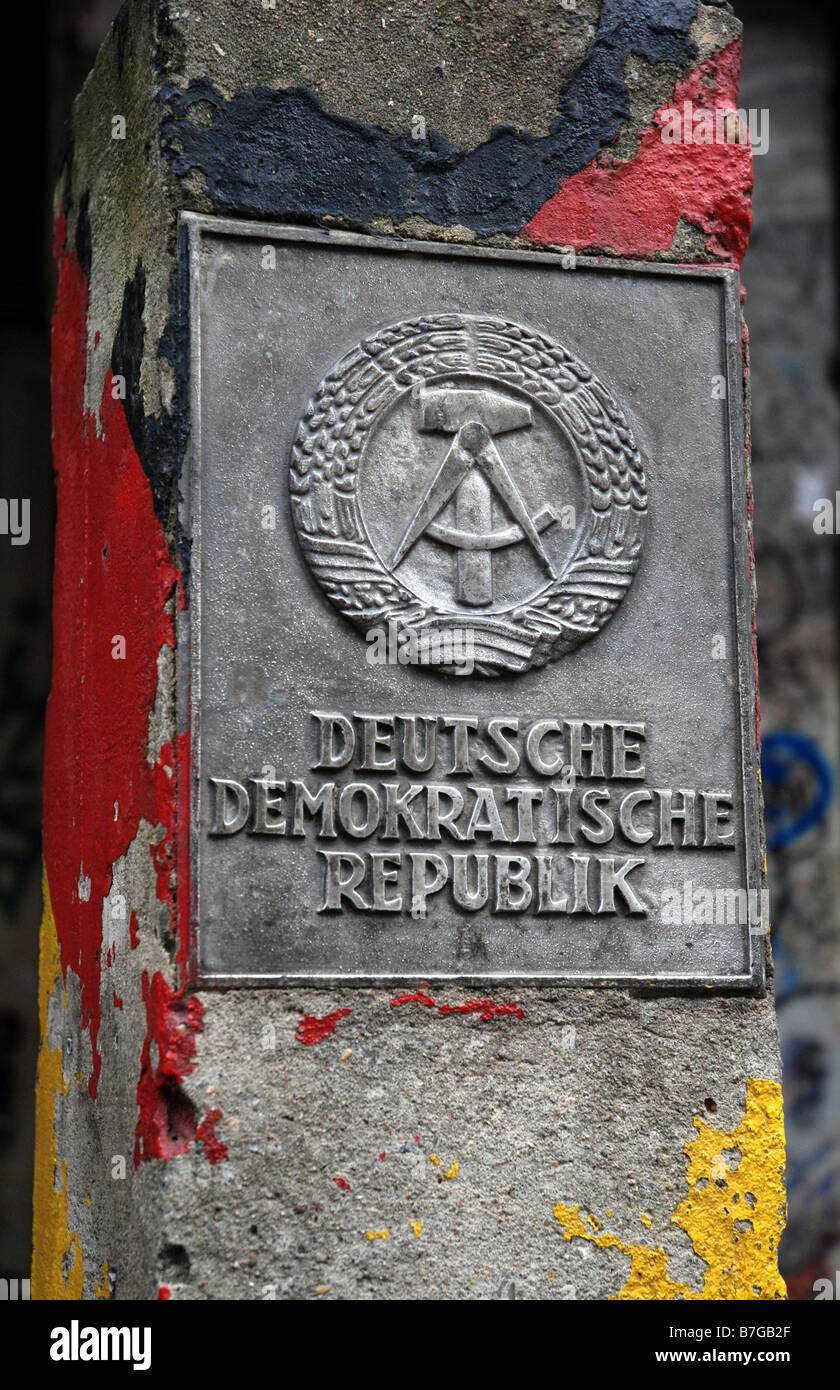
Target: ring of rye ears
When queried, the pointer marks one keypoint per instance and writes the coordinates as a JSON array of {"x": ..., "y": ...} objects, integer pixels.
[{"x": 328, "y": 450}]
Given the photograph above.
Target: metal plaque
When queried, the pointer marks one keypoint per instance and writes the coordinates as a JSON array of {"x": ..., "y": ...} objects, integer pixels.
[{"x": 470, "y": 675}]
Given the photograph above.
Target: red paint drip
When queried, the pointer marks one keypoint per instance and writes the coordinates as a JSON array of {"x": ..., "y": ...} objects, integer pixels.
[
  {"x": 417, "y": 998},
  {"x": 343, "y": 1184},
  {"x": 113, "y": 576},
  {"x": 313, "y": 1030},
  {"x": 485, "y": 1008},
  {"x": 206, "y": 1132},
  {"x": 164, "y": 1293},
  {"x": 632, "y": 209}
]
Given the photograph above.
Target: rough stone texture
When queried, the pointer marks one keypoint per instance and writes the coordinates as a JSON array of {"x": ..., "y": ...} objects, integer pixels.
[{"x": 501, "y": 1134}]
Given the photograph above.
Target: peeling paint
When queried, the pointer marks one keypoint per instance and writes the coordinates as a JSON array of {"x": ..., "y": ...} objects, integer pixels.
[
  {"x": 113, "y": 575},
  {"x": 278, "y": 153},
  {"x": 52, "y": 1239},
  {"x": 166, "y": 1120},
  {"x": 634, "y": 208},
  {"x": 740, "y": 1263}
]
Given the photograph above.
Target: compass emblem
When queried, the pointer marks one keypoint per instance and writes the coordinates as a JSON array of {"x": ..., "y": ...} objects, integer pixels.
[{"x": 460, "y": 473}]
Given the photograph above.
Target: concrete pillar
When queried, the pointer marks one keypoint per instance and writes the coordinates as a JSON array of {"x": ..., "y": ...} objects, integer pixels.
[{"x": 560, "y": 1141}]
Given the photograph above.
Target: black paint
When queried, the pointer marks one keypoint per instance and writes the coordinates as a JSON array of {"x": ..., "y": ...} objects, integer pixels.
[
  {"x": 83, "y": 244},
  {"x": 160, "y": 441},
  {"x": 274, "y": 153}
]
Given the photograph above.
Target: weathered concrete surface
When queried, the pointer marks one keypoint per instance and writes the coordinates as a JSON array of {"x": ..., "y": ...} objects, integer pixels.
[{"x": 586, "y": 1144}]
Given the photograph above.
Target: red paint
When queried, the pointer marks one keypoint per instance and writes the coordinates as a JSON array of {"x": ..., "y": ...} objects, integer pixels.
[
  {"x": 206, "y": 1132},
  {"x": 166, "y": 1123},
  {"x": 164, "y": 1293},
  {"x": 133, "y": 931},
  {"x": 313, "y": 1030},
  {"x": 417, "y": 998},
  {"x": 632, "y": 208},
  {"x": 113, "y": 575},
  {"x": 118, "y": 1003},
  {"x": 383, "y": 1156},
  {"x": 343, "y": 1184},
  {"x": 485, "y": 1008}
]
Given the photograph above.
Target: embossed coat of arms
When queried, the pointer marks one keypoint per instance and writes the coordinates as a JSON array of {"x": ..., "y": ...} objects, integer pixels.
[{"x": 461, "y": 475}]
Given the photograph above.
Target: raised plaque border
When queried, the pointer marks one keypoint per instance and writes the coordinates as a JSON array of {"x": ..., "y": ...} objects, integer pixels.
[{"x": 192, "y": 227}]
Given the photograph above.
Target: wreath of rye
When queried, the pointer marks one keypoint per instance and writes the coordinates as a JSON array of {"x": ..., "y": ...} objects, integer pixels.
[{"x": 328, "y": 450}]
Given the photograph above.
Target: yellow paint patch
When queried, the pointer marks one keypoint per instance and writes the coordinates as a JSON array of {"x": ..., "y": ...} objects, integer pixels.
[
  {"x": 452, "y": 1172},
  {"x": 377, "y": 1235},
  {"x": 733, "y": 1214},
  {"x": 646, "y": 1219},
  {"x": 417, "y": 1228},
  {"x": 52, "y": 1240},
  {"x": 103, "y": 1290}
]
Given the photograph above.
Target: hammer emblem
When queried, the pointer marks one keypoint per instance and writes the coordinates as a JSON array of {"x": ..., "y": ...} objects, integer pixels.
[{"x": 471, "y": 471}]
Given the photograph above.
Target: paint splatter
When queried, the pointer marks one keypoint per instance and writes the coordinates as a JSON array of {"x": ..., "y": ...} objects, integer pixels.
[
  {"x": 734, "y": 1220},
  {"x": 377, "y": 1235},
  {"x": 418, "y": 997},
  {"x": 313, "y": 1030},
  {"x": 206, "y": 1133},
  {"x": 417, "y": 1228},
  {"x": 451, "y": 1172},
  {"x": 485, "y": 1008},
  {"x": 343, "y": 1184}
]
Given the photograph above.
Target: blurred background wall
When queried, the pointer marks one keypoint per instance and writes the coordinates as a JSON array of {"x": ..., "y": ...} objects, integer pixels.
[{"x": 790, "y": 72}]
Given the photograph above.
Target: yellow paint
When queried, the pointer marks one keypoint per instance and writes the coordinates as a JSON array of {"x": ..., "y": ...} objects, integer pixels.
[
  {"x": 740, "y": 1263},
  {"x": 377, "y": 1235},
  {"x": 417, "y": 1228},
  {"x": 453, "y": 1171},
  {"x": 646, "y": 1220},
  {"x": 103, "y": 1291},
  {"x": 594, "y": 1223},
  {"x": 52, "y": 1240}
]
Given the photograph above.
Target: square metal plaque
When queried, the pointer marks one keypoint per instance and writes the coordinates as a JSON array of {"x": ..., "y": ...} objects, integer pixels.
[{"x": 470, "y": 676}]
